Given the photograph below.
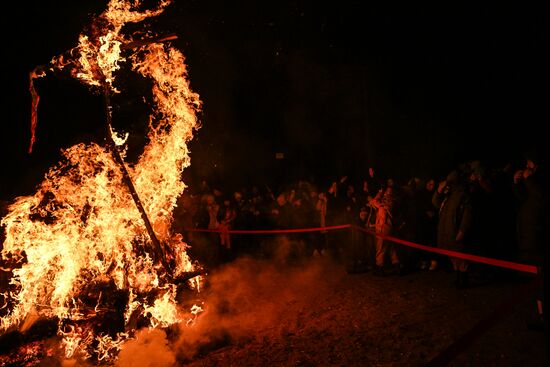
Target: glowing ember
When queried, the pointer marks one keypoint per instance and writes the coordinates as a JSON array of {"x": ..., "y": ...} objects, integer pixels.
[{"x": 79, "y": 250}]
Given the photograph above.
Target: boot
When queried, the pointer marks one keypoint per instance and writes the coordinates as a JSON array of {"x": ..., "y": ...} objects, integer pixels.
[
  {"x": 457, "y": 281},
  {"x": 536, "y": 324},
  {"x": 462, "y": 280},
  {"x": 397, "y": 269},
  {"x": 378, "y": 271},
  {"x": 465, "y": 279}
]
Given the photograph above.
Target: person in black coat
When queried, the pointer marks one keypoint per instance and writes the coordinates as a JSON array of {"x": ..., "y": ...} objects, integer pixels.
[{"x": 530, "y": 186}]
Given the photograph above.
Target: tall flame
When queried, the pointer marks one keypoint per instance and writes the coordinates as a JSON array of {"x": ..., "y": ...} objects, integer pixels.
[{"x": 81, "y": 233}]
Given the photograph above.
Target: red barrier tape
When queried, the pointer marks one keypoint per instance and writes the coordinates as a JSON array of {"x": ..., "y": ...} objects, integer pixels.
[
  {"x": 461, "y": 255},
  {"x": 273, "y": 231}
]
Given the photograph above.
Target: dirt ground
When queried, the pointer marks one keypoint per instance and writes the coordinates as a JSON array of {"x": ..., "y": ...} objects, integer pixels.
[
  {"x": 319, "y": 315},
  {"x": 314, "y": 313}
]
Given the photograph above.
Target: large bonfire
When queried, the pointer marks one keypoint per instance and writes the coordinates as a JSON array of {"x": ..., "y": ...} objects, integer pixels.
[{"x": 97, "y": 235}]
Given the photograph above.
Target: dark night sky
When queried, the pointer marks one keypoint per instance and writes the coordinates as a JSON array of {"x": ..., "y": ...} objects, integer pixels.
[{"x": 412, "y": 90}]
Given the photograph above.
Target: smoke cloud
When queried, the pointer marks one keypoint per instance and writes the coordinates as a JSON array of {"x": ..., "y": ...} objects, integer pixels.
[
  {"x": 251, "y": 298},
  {"x": 150, "y": 348}
]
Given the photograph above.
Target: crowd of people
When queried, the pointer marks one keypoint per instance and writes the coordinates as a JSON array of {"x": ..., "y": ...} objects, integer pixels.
[
  {"x": 499, "y": 213},
  {"x": 491, "y": 212}
]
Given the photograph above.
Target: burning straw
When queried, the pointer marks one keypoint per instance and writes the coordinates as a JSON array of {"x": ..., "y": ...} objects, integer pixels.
[{"x": 80, "y": 250}]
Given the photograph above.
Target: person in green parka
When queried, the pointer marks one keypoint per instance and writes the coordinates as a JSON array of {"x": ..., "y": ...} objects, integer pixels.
[{"x": 455, "y": 219}]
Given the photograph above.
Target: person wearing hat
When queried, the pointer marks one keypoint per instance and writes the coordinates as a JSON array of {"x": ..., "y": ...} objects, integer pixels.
[{"x": 455, "y": 217}]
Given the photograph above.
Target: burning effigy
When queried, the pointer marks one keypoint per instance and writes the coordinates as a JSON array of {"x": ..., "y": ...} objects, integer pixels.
[{"x": 93, "y": 248}]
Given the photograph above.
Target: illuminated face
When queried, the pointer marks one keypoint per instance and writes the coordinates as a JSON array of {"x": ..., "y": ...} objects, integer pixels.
[
  {"x": 210, "y": 200},
  {"x": 531, "y": 165},
  {"x": 430, "y": 185}
]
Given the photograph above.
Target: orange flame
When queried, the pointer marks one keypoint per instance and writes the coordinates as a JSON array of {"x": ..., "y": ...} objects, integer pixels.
[{"x": 82, "y": 227}]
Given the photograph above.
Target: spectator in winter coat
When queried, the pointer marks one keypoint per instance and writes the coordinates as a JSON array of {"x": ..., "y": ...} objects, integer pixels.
[
  {"x": 336, "y": 214},
  {"x": 384, "y": 202},
  {"x": 455, "y": 217},
  {"x": 530, "y": 185},
  {"x": 427, "y": 225}
]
